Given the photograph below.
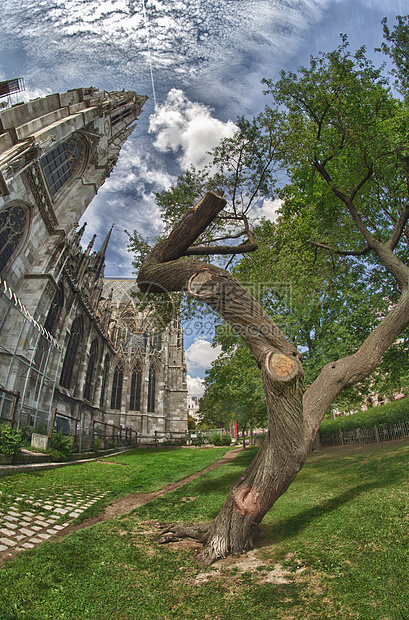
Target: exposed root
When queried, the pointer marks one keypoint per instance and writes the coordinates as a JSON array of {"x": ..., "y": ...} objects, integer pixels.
[{"x": 173, "y": 532}]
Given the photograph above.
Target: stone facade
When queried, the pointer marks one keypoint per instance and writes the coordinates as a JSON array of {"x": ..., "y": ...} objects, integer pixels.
[
  {"x": 150, "y": 356},
  {"x": 56, "y": 324}
]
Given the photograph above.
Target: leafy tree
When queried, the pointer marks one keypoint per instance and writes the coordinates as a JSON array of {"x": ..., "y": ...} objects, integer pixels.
[
  {"x": 338, "y": 135},
  {"x": 234, "y": 392}
]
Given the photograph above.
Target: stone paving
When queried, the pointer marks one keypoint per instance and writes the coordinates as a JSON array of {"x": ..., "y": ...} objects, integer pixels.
[{"x": 28, "y": 521}]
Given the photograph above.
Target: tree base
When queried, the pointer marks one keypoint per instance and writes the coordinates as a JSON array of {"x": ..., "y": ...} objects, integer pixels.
[{"x": 214, "y": 547}]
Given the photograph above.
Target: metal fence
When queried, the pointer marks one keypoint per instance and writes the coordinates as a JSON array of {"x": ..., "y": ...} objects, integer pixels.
[
  {"x": 93, "y": 435},
  {"x": 162, "y": 438},
  {"x": 376, "y": 434}
]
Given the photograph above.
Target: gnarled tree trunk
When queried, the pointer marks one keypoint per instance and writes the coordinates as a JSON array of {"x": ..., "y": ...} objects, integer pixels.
[{"x": 293, "y": 418}]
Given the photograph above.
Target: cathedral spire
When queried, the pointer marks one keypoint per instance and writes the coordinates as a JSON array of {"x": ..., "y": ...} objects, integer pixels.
[
  {"x": 80, "y": 232},
  {"x": 102, "y": 250},
  {"x": 100, "y": 255},
  {"x": 90, "y": 245}
]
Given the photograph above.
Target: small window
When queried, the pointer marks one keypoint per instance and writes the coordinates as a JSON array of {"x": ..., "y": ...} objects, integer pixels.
[
  {"x": 156, "y": 342},
  {"x": 60, "y": 164},
  {"x": 12, "y": 224}
]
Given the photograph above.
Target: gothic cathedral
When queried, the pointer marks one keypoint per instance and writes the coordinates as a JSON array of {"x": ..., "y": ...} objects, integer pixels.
[{"x": 75, "y": 347}]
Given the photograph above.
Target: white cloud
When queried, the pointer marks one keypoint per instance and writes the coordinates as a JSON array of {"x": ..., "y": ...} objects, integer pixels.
[
  {"x": 269, "y": 209},
  {"x": 136, "y": 169},
  {"x": 187, "y": 128},
  {"x": 200, "y": 355},
  {"x": 195, "y": 386}
]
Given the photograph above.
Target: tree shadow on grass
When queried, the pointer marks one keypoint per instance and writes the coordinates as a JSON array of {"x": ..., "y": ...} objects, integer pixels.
[{"x": 292, "y": 526}]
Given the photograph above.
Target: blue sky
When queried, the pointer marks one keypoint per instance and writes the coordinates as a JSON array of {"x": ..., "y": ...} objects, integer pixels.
[{"x": 207, "y": 58}]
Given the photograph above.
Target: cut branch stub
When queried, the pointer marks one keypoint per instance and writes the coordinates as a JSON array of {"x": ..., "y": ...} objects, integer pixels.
[
  {"x": 202, "y": 285},
  {"x": 281, "y": 367}
]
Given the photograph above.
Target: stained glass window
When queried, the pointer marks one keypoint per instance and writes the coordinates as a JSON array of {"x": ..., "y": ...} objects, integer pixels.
[
  {"x": 104, "y": 381},
  {"x": 53, "y": 312},
  {"x": 90, "y": 370}
]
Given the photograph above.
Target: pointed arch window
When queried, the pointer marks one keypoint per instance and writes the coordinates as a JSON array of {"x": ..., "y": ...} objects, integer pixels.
[
  {"x": 151, "y": 389},
  {"x": 93, "y": 353},
  {"x": 104, "y": 381},
  {"x": 117, "y": 382},
  {"x": 43, "y": 346},
  {"x": 136, "y": 383},
  {"x": 12, "y": 225},
  {"x": 71, "y": 353},
  {"x": 54, "y": 312},
  {"x": 60, "y": 164}
]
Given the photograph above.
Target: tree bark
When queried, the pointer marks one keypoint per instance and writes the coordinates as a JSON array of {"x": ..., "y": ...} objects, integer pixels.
[{"x": 293, "y": 419}]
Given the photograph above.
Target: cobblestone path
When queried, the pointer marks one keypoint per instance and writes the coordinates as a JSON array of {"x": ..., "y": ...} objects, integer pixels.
[{"x": 29, "y": 521}]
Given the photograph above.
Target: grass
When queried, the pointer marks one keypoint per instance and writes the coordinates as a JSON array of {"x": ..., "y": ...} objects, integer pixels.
[
  {"x": 138, "y": 471},
  {"x": 390, "y": 413},
  {"x": 339, "y": 536}
]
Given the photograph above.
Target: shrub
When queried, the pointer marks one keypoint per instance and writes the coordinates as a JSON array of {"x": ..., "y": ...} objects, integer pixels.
[
  {"x": 96, "y": 445},
  {"x": 10, "y": 441},
  {"x": 221, "y": 440},
  {"x": 216, "y": 439},
  {"x": 174, "y": 442},
  {"x": 61, "y": 446},
  {"x": 197, "y": 442},
  {"x": 26, "y": 432}
]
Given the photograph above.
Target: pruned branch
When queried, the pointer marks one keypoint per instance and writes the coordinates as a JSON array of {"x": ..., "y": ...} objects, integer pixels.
[
  {"x": 221, "y": 250},
  {"x": 189, "y": 229},
  {"x": 341, "y": 252}
]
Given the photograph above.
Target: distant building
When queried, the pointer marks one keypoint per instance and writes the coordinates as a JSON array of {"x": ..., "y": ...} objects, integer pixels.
[
  {"x": 193, "y": 407},
  {"x": 59, "y": 351}
]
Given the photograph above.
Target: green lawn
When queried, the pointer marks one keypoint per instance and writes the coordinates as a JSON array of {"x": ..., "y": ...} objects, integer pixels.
[
  {"x": 334, "y": 546},
  {"x": 139, "y": 471}
]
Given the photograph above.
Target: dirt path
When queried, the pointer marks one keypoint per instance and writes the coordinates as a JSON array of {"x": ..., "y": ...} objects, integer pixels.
[{"x": 126, "y": 504}]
